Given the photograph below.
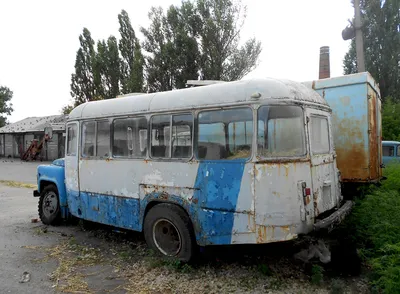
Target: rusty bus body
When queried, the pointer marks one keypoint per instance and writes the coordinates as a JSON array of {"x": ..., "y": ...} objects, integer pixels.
[
  {"x": 249, "y": 161},
  {"x": 357, "y": 125}
]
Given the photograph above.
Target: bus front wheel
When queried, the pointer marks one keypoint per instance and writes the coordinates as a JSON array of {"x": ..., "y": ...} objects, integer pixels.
[
  {"x": 168, "y": 231},
  {"x": 49, "y": 205}
]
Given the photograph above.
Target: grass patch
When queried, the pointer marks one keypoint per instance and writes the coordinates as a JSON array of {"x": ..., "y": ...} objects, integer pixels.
[
  {"x": 374, "y": 225},
  {"x": 16, "y": 184},
  {"x": 317, "y": 274}
]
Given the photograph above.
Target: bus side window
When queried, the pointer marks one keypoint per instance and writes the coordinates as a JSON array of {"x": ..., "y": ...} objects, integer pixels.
[
  {"x": 319, "y": 135},
  {"x": 388, "y": 151},
  {"x": 182, "y": 129},
  {"x": 71, "y": 140},
  {"x": 281, "y": 131},
  {"x": 88, "y": 138},
  {"x": 225, "y": 134},
  {"x": 175, "y": 144},
  {"x": 103, "y": 139},
  {"x": 128, "y": 140}
]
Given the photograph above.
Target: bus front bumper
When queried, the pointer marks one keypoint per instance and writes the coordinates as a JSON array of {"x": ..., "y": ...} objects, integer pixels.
[{"x": 335, "y": 218}]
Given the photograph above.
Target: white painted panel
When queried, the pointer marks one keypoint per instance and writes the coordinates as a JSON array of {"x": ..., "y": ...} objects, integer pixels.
[{"x": 123, "y": 177}]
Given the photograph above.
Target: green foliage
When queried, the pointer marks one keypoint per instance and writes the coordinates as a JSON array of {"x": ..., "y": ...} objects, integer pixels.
[
  {"x": 317, "y": 274},
  {"x": 107, "y": 68},
  {"x": 132, "y": 61},
  {"x": 375, "y": 221},
  {"x": 222, "y": 56},
  {"x": 67, "y": 109},
  {"x": 172, "y": 48},
  {"x": 381, "y": 34},
  {"x": 82, "y": 81},
  {"x": 264, "y": 269},
  {"x": 198, "y": 36},
  {"x": 5, "y": 104},
  {"x": 391, "y": 120}
]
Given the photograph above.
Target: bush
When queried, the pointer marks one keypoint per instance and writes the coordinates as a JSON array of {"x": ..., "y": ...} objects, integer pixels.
[{"x": 375, "y": 222}]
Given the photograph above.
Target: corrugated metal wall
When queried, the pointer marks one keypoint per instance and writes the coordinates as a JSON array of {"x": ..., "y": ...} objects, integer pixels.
[
  {"x": 8, "y": 144},
  {"x": 1, "y": 145}
]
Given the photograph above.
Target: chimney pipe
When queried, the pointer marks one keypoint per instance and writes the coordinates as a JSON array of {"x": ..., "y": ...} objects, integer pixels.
[{"x": 324, "y": 65}]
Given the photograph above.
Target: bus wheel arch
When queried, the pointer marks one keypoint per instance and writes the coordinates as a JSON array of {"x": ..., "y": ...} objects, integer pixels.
[
  {"x": 49, "y": 205},
  {"x": 169, "y": 231}
]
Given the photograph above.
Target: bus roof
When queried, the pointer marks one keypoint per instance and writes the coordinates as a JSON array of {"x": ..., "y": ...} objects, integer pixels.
[{"x": 227, "y": 93}]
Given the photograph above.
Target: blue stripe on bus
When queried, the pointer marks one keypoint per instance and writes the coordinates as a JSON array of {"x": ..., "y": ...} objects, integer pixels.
[
  {"x": 107, "y": 209},
  {"x": 219, "y": 187}
]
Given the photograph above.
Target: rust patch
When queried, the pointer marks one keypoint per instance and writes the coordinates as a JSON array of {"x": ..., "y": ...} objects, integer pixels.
[
  {"x": 261, "y": 234},
  {"x": 307, "y": 199},
  {"x": 95, "y": 208},
  {"x": 276, "y": 194},
  {"x": 164, "y": 196},
  {"x": 315, "y": 201},
  {"x": 373, "y": 137},
  {"x": 286, "y": 171},
  {"x": 281, "y": 160},
  {"x": 352, "y": 158}
]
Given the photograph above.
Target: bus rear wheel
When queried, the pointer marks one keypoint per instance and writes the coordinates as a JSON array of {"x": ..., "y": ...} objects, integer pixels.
[
  {"x": 49, "y": 205},
  {"x": 168, "y": 231}
]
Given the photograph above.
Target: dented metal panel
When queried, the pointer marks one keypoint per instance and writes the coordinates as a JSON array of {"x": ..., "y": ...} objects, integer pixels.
[{"x": 281, "y": 209}]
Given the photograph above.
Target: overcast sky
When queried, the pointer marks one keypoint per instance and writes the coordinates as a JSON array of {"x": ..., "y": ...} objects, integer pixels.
[{"x": 39, "y": 40}]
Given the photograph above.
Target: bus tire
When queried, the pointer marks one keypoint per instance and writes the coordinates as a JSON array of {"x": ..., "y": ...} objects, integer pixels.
[
  {"x": 169, "y": 232},
  {"x": 49, "y": 205}
]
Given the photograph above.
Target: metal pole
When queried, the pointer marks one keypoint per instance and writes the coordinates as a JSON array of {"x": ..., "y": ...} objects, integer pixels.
[{"x": 359, "y": 37}]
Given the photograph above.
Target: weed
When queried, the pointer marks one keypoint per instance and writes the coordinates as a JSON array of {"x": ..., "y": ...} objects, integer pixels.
[
  {"x": 264, "y": 269},
  {"x": 337, "y": 287},
  {"x": 374, "y": 226},
  {"x": 317, "y": 274},
  {"x": 125, "y": 255}
]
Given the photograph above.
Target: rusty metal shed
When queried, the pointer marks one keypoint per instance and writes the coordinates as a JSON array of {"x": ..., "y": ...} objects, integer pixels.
[{"x": 15, "y": 138}]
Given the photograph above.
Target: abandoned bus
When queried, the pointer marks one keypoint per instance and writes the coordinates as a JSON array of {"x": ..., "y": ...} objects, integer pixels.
[{"x": 248, "y": 161}]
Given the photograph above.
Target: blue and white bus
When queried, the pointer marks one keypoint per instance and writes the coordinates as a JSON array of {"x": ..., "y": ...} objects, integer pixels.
[{"x": 241, "y": 162}]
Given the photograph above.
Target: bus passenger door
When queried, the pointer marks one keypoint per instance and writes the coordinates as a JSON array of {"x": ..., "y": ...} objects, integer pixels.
[{"x": 71, "y": 170}]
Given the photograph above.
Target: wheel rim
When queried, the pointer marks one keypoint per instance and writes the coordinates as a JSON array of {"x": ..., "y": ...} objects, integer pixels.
[
  {"x": 166, "y": 237},
  {"x": 49, "y": 205}
]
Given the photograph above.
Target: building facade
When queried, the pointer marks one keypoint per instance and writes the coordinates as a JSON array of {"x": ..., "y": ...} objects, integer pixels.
[{"x": 16, "y": 138}]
